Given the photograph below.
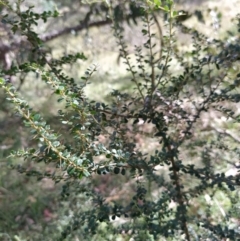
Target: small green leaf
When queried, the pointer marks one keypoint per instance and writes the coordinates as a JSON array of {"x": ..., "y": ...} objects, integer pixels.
[
  {"x": 86, "y": 173},
  {"x": 36, "y": 117},
  {"x": 116, "y": 170},
  {"x": 2, "y": 81},
  {"x": 166, "y": 8},
  {"x": 56, "y": 143},
  {"x": 108, "y": 155},
  {"x": 157, "y": 3}
]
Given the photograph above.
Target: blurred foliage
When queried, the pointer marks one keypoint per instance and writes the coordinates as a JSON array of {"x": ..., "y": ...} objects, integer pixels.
[{"x": 158, "y": 161}]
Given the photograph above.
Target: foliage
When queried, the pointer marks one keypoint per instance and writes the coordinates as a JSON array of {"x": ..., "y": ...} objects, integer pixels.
[{"x": 176, "y": 182}]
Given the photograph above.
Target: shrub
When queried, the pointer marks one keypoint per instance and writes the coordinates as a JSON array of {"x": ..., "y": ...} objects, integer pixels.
[{"x": 183, "y": 105}]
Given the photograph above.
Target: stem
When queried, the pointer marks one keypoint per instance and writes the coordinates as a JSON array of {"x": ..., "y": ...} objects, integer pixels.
[
  {"x": 180, "y": 197},
  {"x": 125, "y": 56},
  {"x": 41, "y": 131},
  {"x": 151, "y": 56},
  {"x": 168, "y": 52}
]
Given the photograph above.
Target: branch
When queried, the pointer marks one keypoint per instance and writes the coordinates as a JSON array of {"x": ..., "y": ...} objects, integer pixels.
[
  {"x": 49, "y": 36},
  {"x": 83, "y": 25},
  {"x": 57, "y": 33},
  {"x": 226, "y": 133}
]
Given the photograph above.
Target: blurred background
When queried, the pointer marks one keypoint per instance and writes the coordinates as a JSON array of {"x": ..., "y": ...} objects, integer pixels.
[{"x": 29, "y": 208}]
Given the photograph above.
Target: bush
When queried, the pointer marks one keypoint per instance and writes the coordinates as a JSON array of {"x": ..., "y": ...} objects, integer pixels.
[{"x": 151, "y": 163}]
